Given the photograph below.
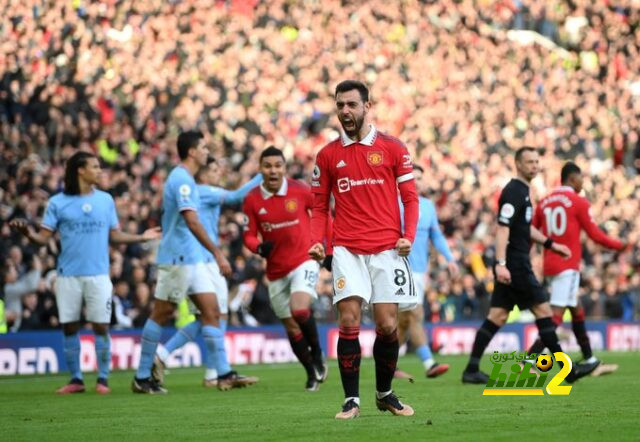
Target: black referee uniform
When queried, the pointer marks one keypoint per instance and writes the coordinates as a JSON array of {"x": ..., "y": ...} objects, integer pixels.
[{"x": 515, "y": 212}]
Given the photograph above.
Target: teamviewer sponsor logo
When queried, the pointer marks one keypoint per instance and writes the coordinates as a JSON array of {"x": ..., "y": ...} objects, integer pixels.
[{"x": 345, "y": 184}]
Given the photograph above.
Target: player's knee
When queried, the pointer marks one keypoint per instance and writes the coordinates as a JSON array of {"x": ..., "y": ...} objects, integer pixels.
[
  {"x": 542, "y": 310},
  {"x": 301, "y": 315},
  {"x": 577, "y": 314},
  {"x": 100, "y": 329},
  {"x": 386, "y": 329},
  {"x": 349, "y": 319},
  {"x": 498, "y": 317},
  {"x": 387, "y": 324},
  {"x": 70, "y": 328},
  {"x": 210, "y": 315}
]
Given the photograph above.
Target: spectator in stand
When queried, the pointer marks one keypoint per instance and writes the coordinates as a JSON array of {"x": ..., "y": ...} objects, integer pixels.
[{"x": 114, "y": 80}]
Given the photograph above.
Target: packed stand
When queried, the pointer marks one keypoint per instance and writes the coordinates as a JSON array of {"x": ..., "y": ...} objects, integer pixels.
[{"x": 462, "y": 83}]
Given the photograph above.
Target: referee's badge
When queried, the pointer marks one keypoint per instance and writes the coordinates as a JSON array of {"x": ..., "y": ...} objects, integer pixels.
[
  {"x": 507, "y": 211},
  {"x": 291, "y": 205},
  {"x": 374, "y": 158}
]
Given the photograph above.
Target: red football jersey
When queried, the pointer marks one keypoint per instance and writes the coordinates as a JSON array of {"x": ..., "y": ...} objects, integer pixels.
[
  {"x": 364, "y": 178},
  {"x": 282, "y": 218},
  {"x": 561, "y": 216}
]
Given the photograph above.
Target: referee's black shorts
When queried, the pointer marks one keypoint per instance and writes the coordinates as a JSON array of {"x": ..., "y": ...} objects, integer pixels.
[{"x": 525, "y": 291}]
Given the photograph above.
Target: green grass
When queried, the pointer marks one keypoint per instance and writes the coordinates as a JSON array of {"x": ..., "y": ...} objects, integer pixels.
[{"x": 279, "y": 409}]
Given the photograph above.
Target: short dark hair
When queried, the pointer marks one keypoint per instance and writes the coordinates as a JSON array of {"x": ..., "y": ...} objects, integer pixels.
[
  {"x": 77, "y": 160},
  {"x": 522, "y": 151},
  {"x": 567, "y": 170},
  {"x": 418, "y": 167},
  {"x": 349, "y": 85},
  {"x": 188, "y": 140},
  {"x": 271, "y": 151}
]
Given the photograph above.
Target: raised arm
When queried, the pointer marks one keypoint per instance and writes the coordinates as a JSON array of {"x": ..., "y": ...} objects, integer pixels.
[
  {"x": 592, "y": 229},
  {"x": 236, "y": 196}
]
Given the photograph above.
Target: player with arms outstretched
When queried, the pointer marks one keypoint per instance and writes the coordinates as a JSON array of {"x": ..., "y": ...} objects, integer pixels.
[
  {"x": 562, "y": 216},
  {"x": 364, "y": 169},
  {"x": 86, "y": 220},
  {"x": 278, "y": 229}
]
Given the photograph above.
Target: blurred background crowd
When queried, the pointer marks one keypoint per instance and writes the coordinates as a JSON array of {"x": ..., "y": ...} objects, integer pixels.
[{"x": 462, "y": 82}]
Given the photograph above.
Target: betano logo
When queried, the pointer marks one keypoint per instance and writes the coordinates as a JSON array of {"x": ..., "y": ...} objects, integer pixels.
[{"x": 519, "y": 380}]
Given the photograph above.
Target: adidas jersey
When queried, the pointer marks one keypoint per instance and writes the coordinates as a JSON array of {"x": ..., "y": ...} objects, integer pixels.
[
  {"x": 561, "y": 216},
  {"x": 363, "y": 177},
  {"x": 282, "y": 218}
]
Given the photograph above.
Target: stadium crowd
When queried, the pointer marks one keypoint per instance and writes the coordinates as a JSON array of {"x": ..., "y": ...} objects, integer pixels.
[{"x": 462, "y": 82}]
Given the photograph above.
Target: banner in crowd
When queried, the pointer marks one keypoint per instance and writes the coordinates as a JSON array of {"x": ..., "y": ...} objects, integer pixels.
[{"x": 41, "y": 352}]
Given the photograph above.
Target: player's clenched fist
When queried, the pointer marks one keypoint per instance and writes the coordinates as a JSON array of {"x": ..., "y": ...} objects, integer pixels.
[
  {"x": 403, "y": 247},
  {"x": 317, "y": 252}
]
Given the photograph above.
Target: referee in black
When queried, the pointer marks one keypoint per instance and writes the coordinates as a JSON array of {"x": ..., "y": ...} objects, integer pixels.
[{"x": 515, "y": 280}]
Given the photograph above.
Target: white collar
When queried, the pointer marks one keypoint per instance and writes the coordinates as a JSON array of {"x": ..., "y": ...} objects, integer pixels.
[
  {"x": 566, "y": 188},
  {"x": 367, "y": 140},
  {"x": 281, "y": 192}
]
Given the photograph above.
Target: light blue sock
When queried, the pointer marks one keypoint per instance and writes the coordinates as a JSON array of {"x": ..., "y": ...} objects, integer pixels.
[
  {"x": 214, "y": 340},
  {"x": 103, "y": 352},
  {"x": 212, "y": 361},
  {"x": 183, "y": 335},
  {"x": 150, "y": 336},
  {"x": 71, "y": 346},
  {"x": 424, "y": 353}
]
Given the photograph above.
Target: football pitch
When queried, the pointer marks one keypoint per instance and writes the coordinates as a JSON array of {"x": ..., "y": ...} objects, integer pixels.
[{"x": 278, "y": 408}]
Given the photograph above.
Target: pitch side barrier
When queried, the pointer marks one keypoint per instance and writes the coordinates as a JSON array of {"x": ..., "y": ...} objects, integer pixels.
[{"x": 41, "y": 352}]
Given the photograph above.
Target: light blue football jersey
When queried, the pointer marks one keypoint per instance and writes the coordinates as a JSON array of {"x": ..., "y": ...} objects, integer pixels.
[
  {"x": 427, "y": 230},
  {"x": 178, "y": 245},
  {"x": 83, "y": 222},
  {"x": 211, "y": 200}
]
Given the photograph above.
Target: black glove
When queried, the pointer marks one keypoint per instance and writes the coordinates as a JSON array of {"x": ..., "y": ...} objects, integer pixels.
[
  {"x": 265, "y": 248},
  {"x": 328, "y": 260}
]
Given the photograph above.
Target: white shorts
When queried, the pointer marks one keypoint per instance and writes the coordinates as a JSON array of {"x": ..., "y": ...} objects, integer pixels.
[
  {"x": 381, "y": 278},
  {"x": 95, "y": 291},
  {"x": 176, "y": 282},
  {"x": 301, "y": 279},
  {"x": 564, "y": 288},
  {"x": 221, "y": 290},
  {"x": 420, "y": 281}
]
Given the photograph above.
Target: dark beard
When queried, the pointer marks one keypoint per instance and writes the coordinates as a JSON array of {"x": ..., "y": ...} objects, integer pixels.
[{"x": 353, "y": 134}]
